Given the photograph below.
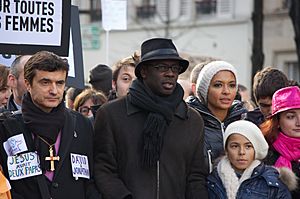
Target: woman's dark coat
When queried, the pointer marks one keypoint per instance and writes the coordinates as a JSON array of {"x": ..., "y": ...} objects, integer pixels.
[{"x": 214, "y": 128}]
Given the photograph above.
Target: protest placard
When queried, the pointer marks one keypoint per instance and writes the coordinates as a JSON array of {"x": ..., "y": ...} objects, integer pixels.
[{"x": 29, "y": 26}]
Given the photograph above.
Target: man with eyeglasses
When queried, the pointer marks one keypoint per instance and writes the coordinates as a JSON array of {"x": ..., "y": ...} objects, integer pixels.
[{"x": 149, "y": 144}]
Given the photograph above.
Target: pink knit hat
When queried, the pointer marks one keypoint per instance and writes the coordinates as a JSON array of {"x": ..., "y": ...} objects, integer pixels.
[{"x": 285, "y": 99}]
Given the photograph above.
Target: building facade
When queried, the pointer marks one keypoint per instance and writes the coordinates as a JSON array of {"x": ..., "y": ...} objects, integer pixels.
[{"x": 221, "y": 29}]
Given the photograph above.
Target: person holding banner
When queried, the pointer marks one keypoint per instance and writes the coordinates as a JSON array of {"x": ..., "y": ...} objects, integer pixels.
[
  {"x": 46, "y": 150},
  {"x": 149, "y": 144}
]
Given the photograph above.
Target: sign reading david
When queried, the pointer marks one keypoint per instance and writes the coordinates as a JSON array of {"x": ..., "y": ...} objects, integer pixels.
[{"x": 30, "y": 26}]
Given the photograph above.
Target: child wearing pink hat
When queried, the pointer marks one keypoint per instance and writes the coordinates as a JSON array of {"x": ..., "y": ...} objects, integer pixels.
[{"x": 282, "y": 131}]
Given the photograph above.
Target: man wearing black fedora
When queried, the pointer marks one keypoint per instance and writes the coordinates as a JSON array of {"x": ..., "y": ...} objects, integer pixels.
[{"x": 149, "y": 144}]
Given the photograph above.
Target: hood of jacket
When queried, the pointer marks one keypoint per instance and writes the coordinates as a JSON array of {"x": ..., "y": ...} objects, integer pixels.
[{"x": 288, "y": 177}]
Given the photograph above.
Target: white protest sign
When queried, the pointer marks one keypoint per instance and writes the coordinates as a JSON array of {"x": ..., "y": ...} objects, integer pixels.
[
  {"x": 114, "y": 14},
  {"x": 80, "y": 166},
  {"x": 31, "y": 22},
  {"x": 15, "y": 144},
  {"x": 23, "y": 166}
]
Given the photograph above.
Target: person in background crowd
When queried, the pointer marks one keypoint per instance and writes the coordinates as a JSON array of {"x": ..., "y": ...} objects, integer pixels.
[
  {"x": 240, "y": 174},
  {"x": 243, "y": 96},
  {"x": 216, "y": 91},
  {"x": 265, "y": 83},
  {"x": 282, "y": 131},
  {"x": 123, "y": 75},
  {"x": 47, "y": 140},
  {"x": 185, "y": 84},
  {"x": 4, "y": 89},
  {"x": 101, "y": 78},
  {"x": 249, "y": 105},
  {"x": 17, "y": 83},
  {"x": 244, "y": 92},
  {"x": 71, "y": 94},
  {"x": 88, "y": 98},
  {"x": 149, "y": 144}
]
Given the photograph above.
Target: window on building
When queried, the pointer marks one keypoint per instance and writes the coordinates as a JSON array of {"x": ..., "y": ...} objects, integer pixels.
[
  {"x": 91, "y": 8},
  {"x": 292, "y": 68},
  {"x": 205, "y": 7},
  {"x": 96, "y": 13},
  {"x": 286, "y": 4},
  {"x": 146, "y": 10}
]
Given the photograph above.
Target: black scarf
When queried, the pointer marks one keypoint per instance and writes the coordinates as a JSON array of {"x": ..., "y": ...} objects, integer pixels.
[
  {"x": 44, "y": 125},
  {"x": 160, "y": 114}
]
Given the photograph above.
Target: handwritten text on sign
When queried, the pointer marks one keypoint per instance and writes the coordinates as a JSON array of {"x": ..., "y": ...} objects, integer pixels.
[
  {"x": 80, "y": 166},
  {"x": 31, "y": 22},
  {"x": 23, "y": 166}
]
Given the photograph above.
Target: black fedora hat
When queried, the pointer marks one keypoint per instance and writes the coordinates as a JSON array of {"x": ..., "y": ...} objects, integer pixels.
[{"x": 159, "y": 49}]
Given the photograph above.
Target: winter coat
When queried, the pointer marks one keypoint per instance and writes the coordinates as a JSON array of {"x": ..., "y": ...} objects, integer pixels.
[
  {"x": 214, "y": 128},
  {"x": 271, "y": 160},
  {"x": 264, "y": 183},
  {"x": 179, "y": 174},
  {"x": 255, "y": 117},
  {"x": 76, "y": 138}
]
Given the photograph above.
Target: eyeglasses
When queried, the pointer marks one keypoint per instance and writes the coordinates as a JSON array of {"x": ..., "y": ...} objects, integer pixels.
[
  {"x": 84, "y": 110},
  {"x": 164, "y": 67}
]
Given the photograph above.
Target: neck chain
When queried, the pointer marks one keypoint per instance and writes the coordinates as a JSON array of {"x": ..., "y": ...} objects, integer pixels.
[
  {"x": 50, "y": 145},
  {"x": 51, "y": 157}
]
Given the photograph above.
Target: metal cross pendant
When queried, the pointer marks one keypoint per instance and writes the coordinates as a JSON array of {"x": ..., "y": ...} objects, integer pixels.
[{"x": 52, "y": 158}]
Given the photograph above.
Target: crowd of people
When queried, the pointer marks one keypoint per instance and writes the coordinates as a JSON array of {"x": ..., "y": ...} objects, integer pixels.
[{"x": 139, "y": 131}]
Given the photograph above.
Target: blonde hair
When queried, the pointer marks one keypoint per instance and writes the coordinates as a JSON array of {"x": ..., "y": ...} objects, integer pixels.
[{"x": 130, "y": 61}]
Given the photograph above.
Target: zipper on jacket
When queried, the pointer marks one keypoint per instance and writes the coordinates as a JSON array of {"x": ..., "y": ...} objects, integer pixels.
[
  {"x": 210, "y": 165},
  {"x": 157, "y": 179},
  {"x": 222, "y": 128}
]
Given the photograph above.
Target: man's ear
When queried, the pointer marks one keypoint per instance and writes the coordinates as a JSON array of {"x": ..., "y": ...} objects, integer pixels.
[
  {"x": 143, "y": 72},
  {"x": 27, "y": 85},
  {"x": 193, "y": 87},
  {"x": 113, "y": 84},
  {"x": 12, "y": 81}
]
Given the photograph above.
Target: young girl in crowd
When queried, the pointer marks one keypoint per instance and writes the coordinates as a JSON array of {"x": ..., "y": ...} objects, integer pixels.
[
  {"x": 282, "y": 131},
  {"x": 216, "y": 89},
  {"x": 240, "y": 174}
]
